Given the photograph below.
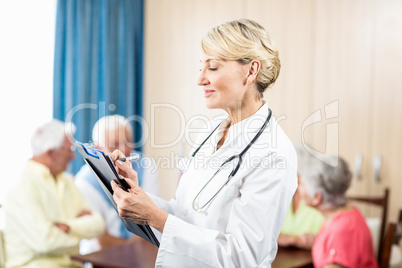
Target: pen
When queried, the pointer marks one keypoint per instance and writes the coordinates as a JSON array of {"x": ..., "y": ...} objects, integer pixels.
[{"x": 130, "y": 158}]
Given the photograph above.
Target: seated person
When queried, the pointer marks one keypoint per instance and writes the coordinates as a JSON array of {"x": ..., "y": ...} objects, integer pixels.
[
  {"x": 46, "y": 215},
  {"x": 344, "y": 239},
  {"x": 302, "y": 222},
  {"x": 108, "y": 134}
]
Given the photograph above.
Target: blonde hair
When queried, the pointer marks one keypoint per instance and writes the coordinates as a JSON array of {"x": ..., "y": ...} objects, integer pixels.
[{"x": 245, "y": 40}]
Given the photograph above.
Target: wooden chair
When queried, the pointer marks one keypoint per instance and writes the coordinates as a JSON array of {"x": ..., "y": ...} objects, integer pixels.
[
  {"x": 383, "y": 203},
  {"x": 398, "y": 231},
  {"x": 396, "y": 247},
  {"x": 385, "y": 255}
]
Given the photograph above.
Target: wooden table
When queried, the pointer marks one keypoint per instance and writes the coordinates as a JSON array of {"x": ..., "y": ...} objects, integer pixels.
[
  {"x": 138, "y": 254},
  {"x": 142, "y": 254},
  {"x": 292, "y": 257}
]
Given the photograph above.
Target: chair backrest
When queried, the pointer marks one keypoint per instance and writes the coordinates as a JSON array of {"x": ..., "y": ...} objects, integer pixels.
[
  {"x": 374, "y": 224},
  {"x": 383, "y": 203},
  {"x": 396, "y": 249},
  {"x": 398, "y": 231},
  {"x": 387, "y": 245}
]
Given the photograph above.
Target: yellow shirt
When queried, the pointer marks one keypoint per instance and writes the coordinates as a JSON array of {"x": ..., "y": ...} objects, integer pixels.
[
  {"x": 32, "y": 207},
  {"x": 306, "y": 220}
]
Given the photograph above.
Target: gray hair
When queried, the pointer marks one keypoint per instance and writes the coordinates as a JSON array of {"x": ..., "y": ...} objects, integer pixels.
[
  {"x": 106, "y": 124},
  {"x": 320, "y": 176},
  {"x": 50, "y": 136}
]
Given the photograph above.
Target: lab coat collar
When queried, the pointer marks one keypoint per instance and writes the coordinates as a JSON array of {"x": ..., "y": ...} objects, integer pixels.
[{"x": 248, "y": 126}]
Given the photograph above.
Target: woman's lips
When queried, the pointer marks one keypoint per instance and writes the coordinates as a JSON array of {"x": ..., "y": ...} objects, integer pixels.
[{"x": 207, "y": 92}]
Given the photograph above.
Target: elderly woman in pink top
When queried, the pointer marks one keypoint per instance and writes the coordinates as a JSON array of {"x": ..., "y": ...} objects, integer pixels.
[{"x": 344, "y": 239}]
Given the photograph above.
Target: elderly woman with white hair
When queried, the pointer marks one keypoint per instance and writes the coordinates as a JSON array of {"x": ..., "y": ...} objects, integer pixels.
[
  {"x": 232, "y": 199},
  {"x": 344, "y": 239}
]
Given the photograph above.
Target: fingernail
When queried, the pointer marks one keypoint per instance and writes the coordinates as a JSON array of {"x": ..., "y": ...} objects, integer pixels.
[{"x": 119, "y": 162}]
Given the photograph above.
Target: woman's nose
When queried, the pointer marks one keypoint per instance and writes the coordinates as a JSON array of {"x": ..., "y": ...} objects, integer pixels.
[{"x": 202, "y": 79}]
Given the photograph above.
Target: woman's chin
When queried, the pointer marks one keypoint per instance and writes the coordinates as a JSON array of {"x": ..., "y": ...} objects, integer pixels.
[{"x": 212, "y": 104}]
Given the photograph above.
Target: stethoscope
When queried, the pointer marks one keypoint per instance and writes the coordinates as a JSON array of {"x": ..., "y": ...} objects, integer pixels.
[{"x": 238, "y": 157}]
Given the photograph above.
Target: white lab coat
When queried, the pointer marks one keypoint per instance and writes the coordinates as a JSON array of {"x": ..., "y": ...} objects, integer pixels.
[{"x": 239, "y": 228}]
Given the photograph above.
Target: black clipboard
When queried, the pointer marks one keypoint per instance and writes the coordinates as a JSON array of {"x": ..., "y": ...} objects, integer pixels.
[{"x": 105, "y": 172}]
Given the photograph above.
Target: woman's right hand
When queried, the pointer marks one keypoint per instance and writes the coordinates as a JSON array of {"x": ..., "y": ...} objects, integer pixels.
[
  {"x": 305, "y": 241},
  {"x": 125, "y": 169}
]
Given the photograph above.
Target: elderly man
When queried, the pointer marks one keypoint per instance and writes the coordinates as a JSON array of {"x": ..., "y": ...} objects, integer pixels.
[
  {"x": 110, "y": 133},
  {"x": 46, "y": 215}
]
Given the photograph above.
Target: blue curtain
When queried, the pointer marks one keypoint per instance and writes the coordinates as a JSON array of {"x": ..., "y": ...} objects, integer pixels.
[{"x": 98, "y": 65}]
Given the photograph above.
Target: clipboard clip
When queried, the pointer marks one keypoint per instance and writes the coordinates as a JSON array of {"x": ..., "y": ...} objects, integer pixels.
[
  {"x": 89, "y": 148},
  {"x": 90, "y": 144}
]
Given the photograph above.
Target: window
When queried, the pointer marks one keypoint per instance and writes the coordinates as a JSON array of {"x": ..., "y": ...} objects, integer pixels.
[{"x": 27, "y": 29}]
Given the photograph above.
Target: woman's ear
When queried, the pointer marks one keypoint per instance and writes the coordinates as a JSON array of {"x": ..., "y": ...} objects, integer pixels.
[
  {"x": 317, "y": 199},
  {"x": 254, "y": 68}
]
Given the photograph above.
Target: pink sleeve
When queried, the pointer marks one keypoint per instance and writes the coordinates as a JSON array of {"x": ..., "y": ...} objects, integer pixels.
[
  {"x": 347, "y": 242},
  {"x": 341, "y": 246}
]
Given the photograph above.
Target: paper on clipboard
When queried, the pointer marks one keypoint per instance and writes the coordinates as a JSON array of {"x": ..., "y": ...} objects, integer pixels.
[{"x": 105, "y": 172}]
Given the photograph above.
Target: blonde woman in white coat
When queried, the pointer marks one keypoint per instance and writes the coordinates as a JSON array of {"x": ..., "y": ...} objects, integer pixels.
[{"x": 226, "y": 215}]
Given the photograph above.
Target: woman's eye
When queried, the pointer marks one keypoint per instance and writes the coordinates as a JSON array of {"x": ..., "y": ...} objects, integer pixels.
[{"x": 212, "y": 68}]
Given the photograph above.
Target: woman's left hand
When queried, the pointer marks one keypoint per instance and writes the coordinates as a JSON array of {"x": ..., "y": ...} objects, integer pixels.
[{"x": 138, "y": 207}]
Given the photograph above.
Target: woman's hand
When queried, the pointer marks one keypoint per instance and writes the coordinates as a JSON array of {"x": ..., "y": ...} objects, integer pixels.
[
  {"x": 305, "y": 241},
  {"x": 138, "y": 207},
  {"x": 124, "y": 169},
  {"x": 285, "y": 240}
]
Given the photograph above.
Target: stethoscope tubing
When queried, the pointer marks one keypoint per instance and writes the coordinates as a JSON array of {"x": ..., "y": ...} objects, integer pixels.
[{"x": 234, "y": 171}]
